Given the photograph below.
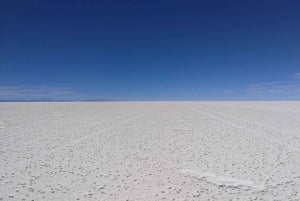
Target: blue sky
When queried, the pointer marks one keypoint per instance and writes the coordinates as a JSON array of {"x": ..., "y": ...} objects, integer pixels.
[{"x": 150, "y": 50}]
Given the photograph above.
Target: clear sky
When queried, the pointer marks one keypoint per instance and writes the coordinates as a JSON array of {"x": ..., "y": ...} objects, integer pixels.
[{"x": 150, "y": 50}]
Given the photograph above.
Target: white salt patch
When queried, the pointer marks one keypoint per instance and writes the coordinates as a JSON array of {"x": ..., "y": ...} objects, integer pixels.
[
  {"x": 2, "y": 125},
  {"x": 222, "y": 181}
]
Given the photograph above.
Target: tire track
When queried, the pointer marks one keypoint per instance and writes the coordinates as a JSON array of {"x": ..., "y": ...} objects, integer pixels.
[
  {"x": 79, "y": 140},
  {"x": 247, "y": 130}
]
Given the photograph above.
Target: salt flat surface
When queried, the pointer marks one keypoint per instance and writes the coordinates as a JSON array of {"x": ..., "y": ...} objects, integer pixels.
[{"x": 150, "y": 151}]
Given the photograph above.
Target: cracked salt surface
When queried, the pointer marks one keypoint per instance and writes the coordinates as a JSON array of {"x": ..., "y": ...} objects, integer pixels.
[{"x": 150, "y": 151}]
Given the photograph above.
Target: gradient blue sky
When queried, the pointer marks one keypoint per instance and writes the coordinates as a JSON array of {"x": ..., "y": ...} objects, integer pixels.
[{"x": 150, "y": 50}]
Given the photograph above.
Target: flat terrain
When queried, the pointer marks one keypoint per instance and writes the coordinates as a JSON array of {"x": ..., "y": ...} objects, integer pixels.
[{"x": 140, "y": 151}]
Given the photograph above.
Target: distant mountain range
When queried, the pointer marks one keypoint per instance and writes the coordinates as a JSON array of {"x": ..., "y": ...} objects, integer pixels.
[{"x": 55, "y": 100}]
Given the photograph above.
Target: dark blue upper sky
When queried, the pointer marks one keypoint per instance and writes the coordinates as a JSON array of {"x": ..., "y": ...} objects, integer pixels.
[{"x": 150, "y": 50}]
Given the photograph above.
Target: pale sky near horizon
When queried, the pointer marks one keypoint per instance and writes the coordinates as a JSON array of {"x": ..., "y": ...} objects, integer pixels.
[{"x": 150, "y": 50}]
